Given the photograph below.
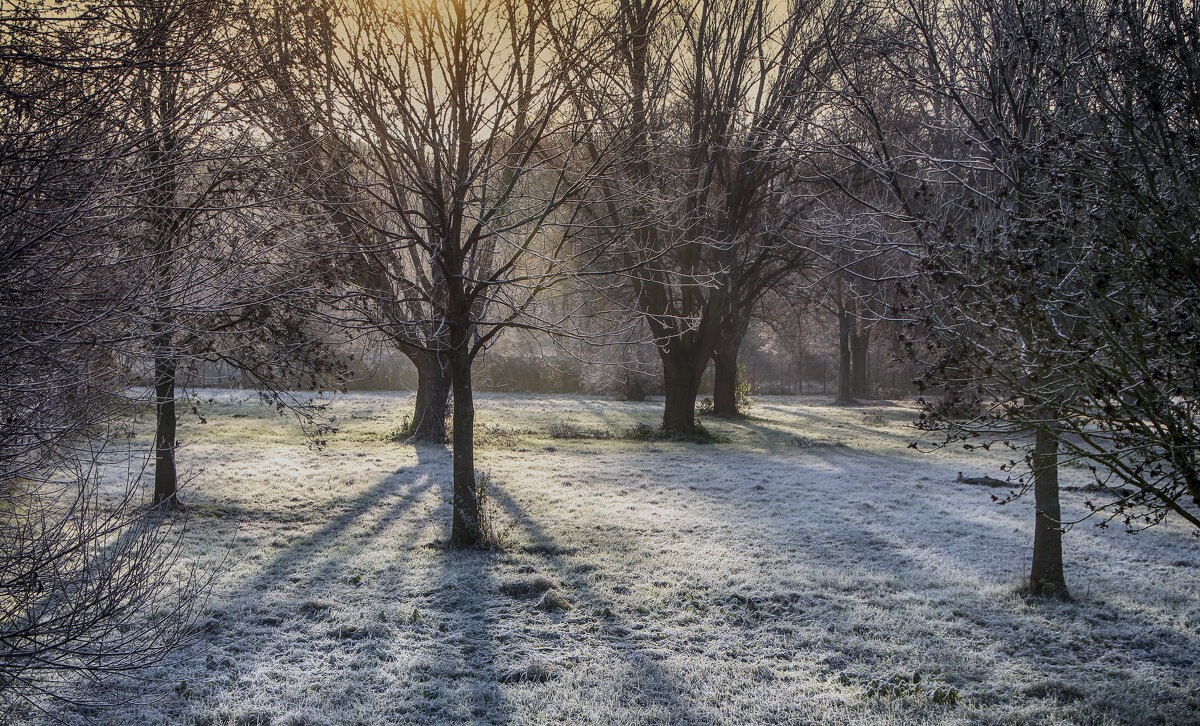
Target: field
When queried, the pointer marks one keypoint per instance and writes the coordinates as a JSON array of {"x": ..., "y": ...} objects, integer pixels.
[{"x": 812, "y": 570}]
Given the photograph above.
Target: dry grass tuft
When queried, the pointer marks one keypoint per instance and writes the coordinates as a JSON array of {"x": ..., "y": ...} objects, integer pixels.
[{"x": 528, "y": 586}]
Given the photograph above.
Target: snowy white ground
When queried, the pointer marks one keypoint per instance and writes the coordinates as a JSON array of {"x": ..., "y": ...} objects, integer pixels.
[{"x": 754, "y": 582}]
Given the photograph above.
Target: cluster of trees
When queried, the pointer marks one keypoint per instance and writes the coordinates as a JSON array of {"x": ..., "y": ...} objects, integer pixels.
[
  {"x": 188, "y": 181},
  {"x": 134, "y": 242},
  {"x": 1037, "y": 160}
]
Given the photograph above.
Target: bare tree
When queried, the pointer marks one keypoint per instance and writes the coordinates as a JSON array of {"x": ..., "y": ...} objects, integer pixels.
[
  {"x": 1074, "y": 303},
  {"x": 705, "y": 98},
  {"x": 297, "y": 102},
  {"x": 1038, "y": 161},
  {"x": 1001, "y": 336},
  {"x": 208, "y": 235},
  {"x": 967, "y": 165},
  {"x": 446, "y": 155},
  {"x": 88, "y": 586},
  {"x": 1130, "y": 176}
]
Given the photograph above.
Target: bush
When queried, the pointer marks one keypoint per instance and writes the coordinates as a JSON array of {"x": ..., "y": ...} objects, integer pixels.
[
  {"x": 741, "y": 390},
  {"x": 87, "y": 593},
  {"x": 404, "y": 433},
  {"x": 645, "y": 432},
  {"x": 568, "y": 430}
]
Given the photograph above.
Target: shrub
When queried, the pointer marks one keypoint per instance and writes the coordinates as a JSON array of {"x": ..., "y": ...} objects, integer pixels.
[
  {"x": 645, "y": 432},
  {"x": 568, "y": 430},
  {"x": 741, "y": 390}
]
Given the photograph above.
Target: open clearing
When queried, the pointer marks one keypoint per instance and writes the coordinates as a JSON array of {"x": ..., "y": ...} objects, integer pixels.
[{"x": 808, "y": 572}]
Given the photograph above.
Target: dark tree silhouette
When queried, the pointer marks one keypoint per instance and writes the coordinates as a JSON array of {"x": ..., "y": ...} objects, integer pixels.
[
  {"x": 87, "y": 575},
  {"x": 448, "y": 159}
]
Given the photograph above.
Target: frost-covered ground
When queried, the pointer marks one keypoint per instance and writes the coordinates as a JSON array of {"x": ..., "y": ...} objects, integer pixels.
[{"x": 834, "y": 578}]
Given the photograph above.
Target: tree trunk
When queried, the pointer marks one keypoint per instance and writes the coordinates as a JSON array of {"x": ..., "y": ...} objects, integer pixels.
[
  {"x": 800, "y": 369},
  {"x": 162, "y": 198},
  {"x": 1046, "y": 576},
  {"x": 859, "y": 351},
  {"x": 845, "y": 323},
  {"x": 433, "y": 397},
  {"x": 725, "y": 378},
  {"x": 681, "y": 384},
  {"x": 466, "y": 529},
  {"x": 165, "y": 477},
  {"x": 633, "y": 389}
]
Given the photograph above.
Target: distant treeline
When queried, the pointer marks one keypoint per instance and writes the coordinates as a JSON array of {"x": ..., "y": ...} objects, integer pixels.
[{"x": 768, "y": 374}]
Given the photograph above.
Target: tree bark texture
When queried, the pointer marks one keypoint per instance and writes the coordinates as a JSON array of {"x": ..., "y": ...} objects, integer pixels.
[
  {"x": 165, "y": 476},
  {"x": 433, "y": 396},
  {"x": 725, "y": 378},
  {"x": 845, "y": 327},
  {"x": 860, "y": 344},
  {"x": 466, "y": 528},
  {"x": 681, "y": 384},
  {"x": 1046, "y": 575}
]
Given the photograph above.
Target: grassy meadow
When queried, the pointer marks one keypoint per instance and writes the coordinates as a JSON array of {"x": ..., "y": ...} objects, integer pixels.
[{"x": 811, "y": 570}]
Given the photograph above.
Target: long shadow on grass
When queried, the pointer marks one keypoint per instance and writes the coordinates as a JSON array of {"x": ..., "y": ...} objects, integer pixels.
[
  {"x": 808, "y": 420},
  {"x": 318, "y": 569},
  {"x": 868, "y": 565},
  {"x": 466, "y": 587},
  {"x": 319, "y": 542},
  {"x": 928, "y": 563},
  {"x": 1066, "y": 636},
  {"x": 659, "y": 687},
  {"x": 957, "y": 561}
]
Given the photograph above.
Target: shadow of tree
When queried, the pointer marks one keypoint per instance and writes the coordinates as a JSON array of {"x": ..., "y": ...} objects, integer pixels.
[
  {"x": 308, "y": 606},
  {"x": 847, "y": 563},
  {"x": 317, "y": 544},
  {"x": 656, "y": 687}
]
